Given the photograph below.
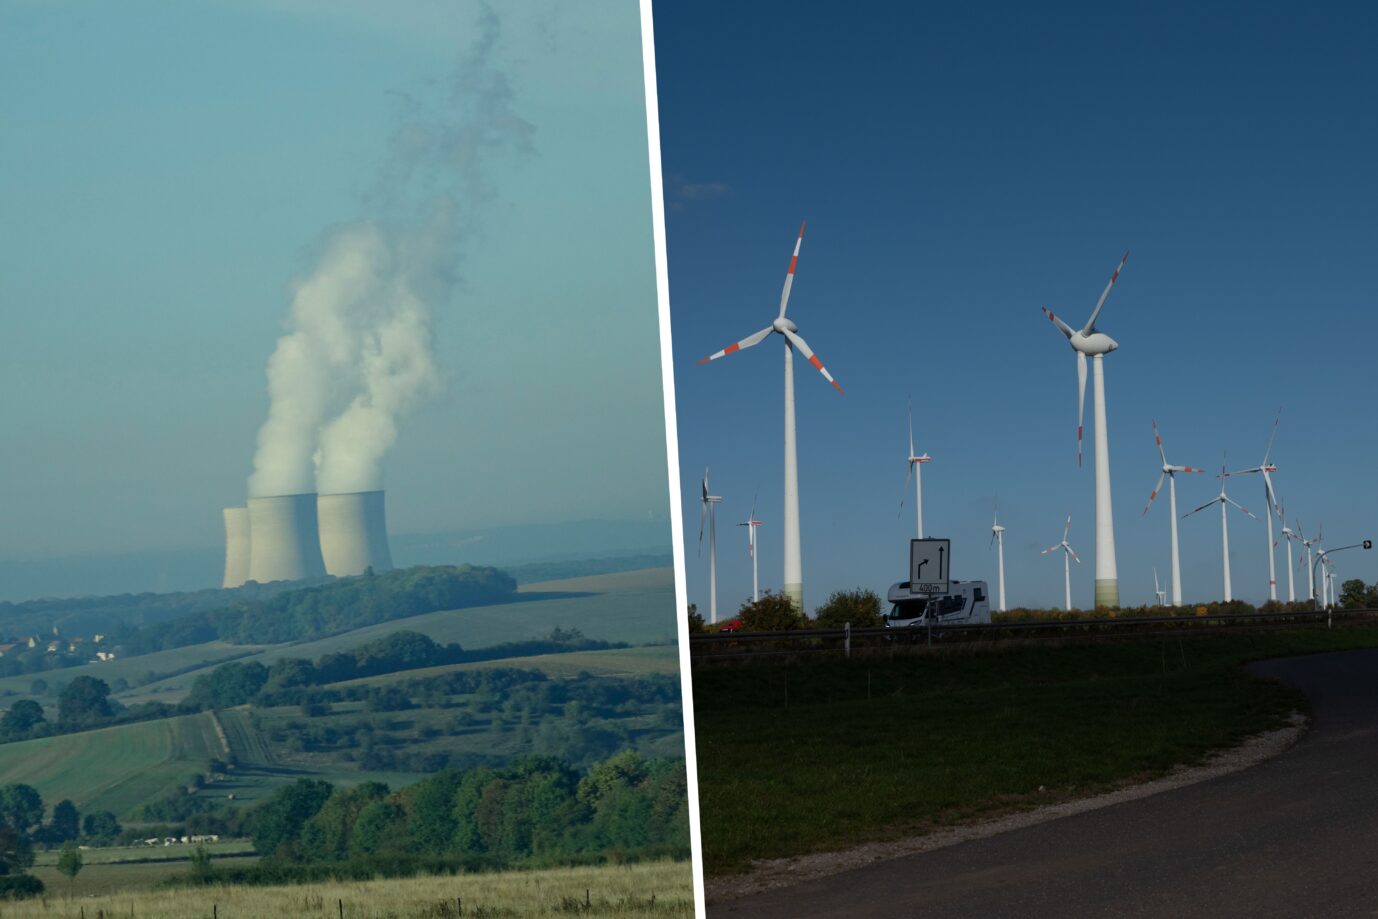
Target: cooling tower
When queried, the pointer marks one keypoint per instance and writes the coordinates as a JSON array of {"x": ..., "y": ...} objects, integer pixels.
[
  {"x": 236, "y": 546},
  {"x": 284, "y": 544},
  {"x": 354, "y": 533}
]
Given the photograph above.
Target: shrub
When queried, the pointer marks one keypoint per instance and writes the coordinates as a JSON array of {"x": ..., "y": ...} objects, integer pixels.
[
  {"x": 19, "y": 887},
  {"x": 860, "y": 607},
  {"x": 772, "y": 613}
]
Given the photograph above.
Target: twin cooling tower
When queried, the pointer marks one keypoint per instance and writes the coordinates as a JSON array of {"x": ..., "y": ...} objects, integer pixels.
[{"x": 292, "y": 537}]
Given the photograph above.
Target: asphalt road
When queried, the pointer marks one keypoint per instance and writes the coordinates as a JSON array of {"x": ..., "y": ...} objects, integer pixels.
[{"x": 1294, "y": 836}]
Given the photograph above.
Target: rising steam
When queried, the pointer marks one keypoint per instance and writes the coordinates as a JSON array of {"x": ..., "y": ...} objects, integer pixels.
[{"x": 357, "y": 354}]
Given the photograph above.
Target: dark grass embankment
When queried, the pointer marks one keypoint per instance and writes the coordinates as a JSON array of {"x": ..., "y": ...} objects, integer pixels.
[{"x": 819, "y": 754}]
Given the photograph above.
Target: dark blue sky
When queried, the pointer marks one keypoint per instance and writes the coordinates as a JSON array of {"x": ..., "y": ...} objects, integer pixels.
[{"x": 960, "y": 167}]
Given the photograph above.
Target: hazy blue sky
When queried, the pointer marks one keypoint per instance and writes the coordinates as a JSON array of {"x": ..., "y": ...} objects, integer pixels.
[
  {"x": 962, "y": 165},
  {"x": 168, "y": 169}
]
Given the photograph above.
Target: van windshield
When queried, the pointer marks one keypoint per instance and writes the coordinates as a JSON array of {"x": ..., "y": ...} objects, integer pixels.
[{"x": 908, "y": 610}]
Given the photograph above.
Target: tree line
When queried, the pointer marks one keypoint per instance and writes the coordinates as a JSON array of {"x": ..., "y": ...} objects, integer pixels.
[
  {"x": 341, "y": 605},
  {"x": 533, "y": 811}
]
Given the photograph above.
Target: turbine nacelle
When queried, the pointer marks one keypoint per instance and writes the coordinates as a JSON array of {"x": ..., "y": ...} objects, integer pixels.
[
  {"x": 1094, "y": 344},
  {"x": 783, "y": 325}
]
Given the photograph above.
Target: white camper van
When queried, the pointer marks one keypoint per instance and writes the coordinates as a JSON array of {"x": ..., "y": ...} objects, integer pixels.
[{"x": 965, "y": 603}]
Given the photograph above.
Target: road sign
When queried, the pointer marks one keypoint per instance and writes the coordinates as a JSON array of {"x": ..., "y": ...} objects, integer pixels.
[{"x": 929, "y": 562}]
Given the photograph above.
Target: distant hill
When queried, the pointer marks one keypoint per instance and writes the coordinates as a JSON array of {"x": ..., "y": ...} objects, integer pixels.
[{"x": 201, "y": 568}]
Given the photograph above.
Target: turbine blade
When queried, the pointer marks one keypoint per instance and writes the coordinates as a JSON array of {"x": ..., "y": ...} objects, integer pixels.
[
  {"x": 1158, "y": 438},
  {"x": 1240, "y": 506},
  {"x": 1215, "y": 500},
  {"x": 1154, "y": 494},
  {"x": 1091, "y": 323},
  {"x": 747, "y": 342},
  {"x": 1072, "y": 552},
  {"x": 804, "y": 349},
  {"x": 1063, "y": 327},
  {"x": 789, "y": 275},
  {"x": 1067, "y": 528},
  {"x": 1081, "y": 398},
  {"x": 703, "y": 508},
  {"x": 909, "y": 474},
  {"x": 1051, "y": 549},
  {"x": 1272, "y": 437},
  {"x": 911, "y": 427}
]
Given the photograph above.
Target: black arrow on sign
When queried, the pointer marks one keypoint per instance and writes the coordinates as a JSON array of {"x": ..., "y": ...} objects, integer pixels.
[{"x": 941, "y": 574}]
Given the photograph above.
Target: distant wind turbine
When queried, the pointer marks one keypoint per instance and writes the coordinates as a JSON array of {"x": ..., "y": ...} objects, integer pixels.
[
  {"x": 1289, "y": 535},
  {"x": 1170, "y": 473},
  {"x": 997, "y": 537},
  {"x": 1272, "y": 505},
  {"x": 1222, "y": 499},
  {"x": 1089, "y": 342},
  {"x": 1067, "y": 555},
  {"x": 751, "y": 523},
  {"x": 1158, "y": 592},
  {"x": 794, "y": 577},
  {"x": 1310, "y": 566},
  {"x": 708, "y": 508},
  {"x": 915, "y": 471}
]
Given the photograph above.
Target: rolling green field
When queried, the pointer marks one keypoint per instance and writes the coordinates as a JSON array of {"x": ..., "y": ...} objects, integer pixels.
[
  {"x": 636, "y": 607},
  {"x": 820, "y": 754},
  {"x": 122, "y": 767},
  {"x": 612, "y": 662},
  {"x": 133, "y": 669},
  {"x": 114, "y": 768}
]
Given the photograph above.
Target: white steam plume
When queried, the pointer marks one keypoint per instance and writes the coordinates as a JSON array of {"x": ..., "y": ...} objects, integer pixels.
[{"x": 357, "y": 354}]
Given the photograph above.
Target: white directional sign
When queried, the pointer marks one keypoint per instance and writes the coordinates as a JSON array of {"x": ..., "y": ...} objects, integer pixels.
[{"x": 929, "y": 562}]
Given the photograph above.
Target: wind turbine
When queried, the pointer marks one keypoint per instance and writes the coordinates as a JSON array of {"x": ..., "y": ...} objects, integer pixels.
[
  {"x": 751, "y": 523},
  {"x": 1158, "y": 592},
  {"x": 997, "y": 537},
  {"x": 708, "y": 508},
  {"x": 1170, "y": 473},
  {"x": 794, "y": 577},
  {"x": 915, "y": 471},
  {"x": 1222, "y": 499},
  {"x": 1270, "y": 498},
  {"x": 1289, "y": 535},
  {"x": 1067, "y": 554},
  {"x": 1089, "y": 342}
]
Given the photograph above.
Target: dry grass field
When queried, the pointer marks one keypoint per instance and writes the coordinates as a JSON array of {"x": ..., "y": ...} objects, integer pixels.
[{"x": 650, "y": 890}]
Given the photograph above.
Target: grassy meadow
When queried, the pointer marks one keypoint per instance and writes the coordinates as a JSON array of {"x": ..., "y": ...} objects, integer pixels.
[
  {"x": 114, "y": 768},
  {"x": 656, "y": 889},
  {"x": 816, "y": 755}
]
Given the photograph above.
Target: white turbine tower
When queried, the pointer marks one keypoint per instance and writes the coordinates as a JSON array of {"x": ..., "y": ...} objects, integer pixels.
[
  {"x": 915, "y": 467},
  {"x": 1271, "y": 503},
  {"x": 794, "y": 577},
  {"x": 1170, "y": 473},
  {"x": 1067, "y": 556},
  {"x": 1289, "y": 535},
  {"x": 1089, "y": 342},
  {"x": 1222, "y": 499},
  {"x": 1158, "y": 593},
  {"x": 997, "y": 538},
  {"x": 708, "y": 508},
  {"x": 1310, "y": 567},
  {"x": 751, "y": 523}
]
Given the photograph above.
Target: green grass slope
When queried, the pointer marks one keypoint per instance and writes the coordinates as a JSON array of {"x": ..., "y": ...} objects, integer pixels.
[
  {"x": 637, "y": 607},
  {"x": 117, "y": 768}
]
